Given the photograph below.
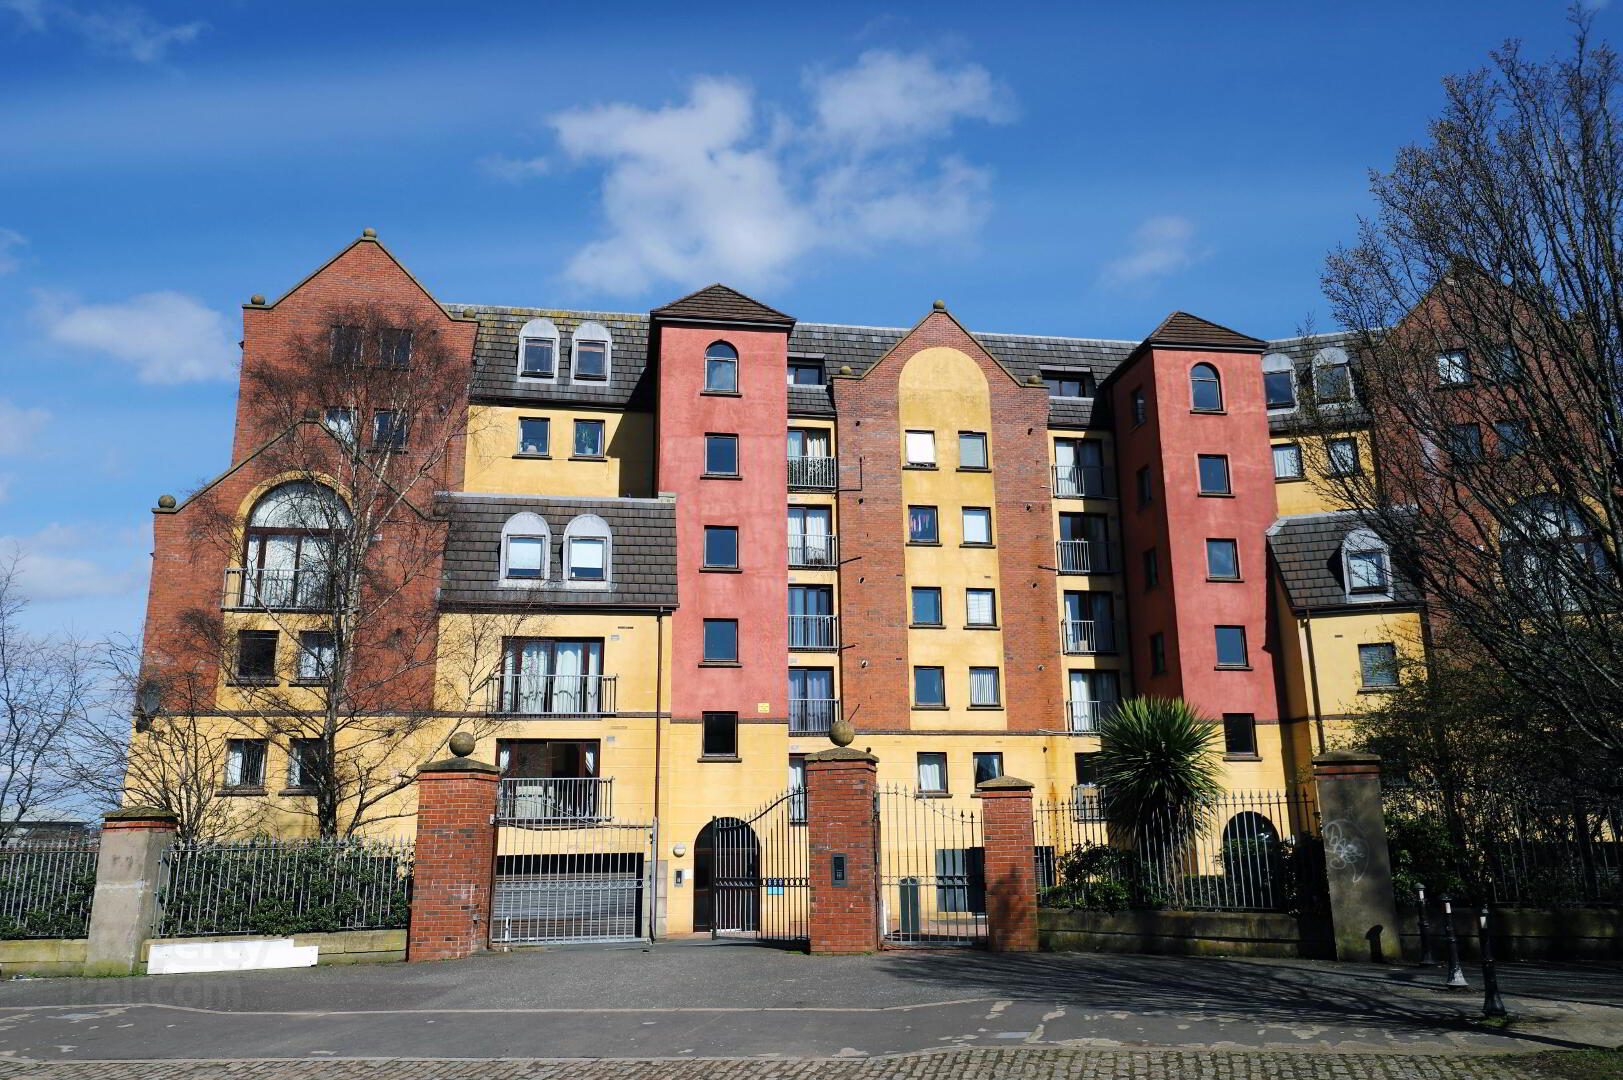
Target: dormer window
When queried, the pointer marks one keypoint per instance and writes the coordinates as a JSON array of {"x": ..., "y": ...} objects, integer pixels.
[
  {"x": 721, "y": 369},
  {"x": 538, "y": 350},
  {"x": 526, "y": 545},
  {"x": 1279, "y": 381},
  {"x": 591, "y": 352},
  {"x": 1074, "y": 384},
  {"x": 587, "y": 544},
  {"x": 1205, "y": 389},
  {"x": 803, "y": 373},
  {"x": 1366, "y": 566},
  {"x": 1332, "y": 377}
]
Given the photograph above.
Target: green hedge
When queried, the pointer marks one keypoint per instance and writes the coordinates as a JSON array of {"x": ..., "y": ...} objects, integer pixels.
[{"x": 46, "y": 893}]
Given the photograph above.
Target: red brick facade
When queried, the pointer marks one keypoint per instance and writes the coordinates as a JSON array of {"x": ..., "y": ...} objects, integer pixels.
[
  {"x": 1011, "y": 873},
  {"x": 840, "y": 820},
  {"x": 456, "y": 852}
]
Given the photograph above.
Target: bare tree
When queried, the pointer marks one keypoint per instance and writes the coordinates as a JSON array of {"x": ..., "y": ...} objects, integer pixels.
[{"x": 1486, "y": 301}]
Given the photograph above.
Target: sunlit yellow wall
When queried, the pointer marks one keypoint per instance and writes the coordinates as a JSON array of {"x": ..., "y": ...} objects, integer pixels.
[
  {"x": 1307, "y": 495},
  {"x": 1335, "y": 654},
  {"x": 495, "y": 466}
]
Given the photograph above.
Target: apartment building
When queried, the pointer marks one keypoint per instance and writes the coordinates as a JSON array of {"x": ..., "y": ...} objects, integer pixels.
[{"x": 675, "y": 546}]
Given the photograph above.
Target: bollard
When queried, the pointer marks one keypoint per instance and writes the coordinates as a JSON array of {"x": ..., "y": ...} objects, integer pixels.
[
  {"x": 1426, "y": 958},
  {"x": 1492, "y": 1004},
  {"x": 1456, "y": 973}
]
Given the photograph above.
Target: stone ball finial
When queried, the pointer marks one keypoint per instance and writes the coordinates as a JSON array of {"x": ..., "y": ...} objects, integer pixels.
[
  {"x": 167, "y": 502},
  {"x": 462, "y": 744},
  {"x": 940, "y": 305},
  {"x": 845, "y": 369},
  {"x": 370, "y": 234},
  {"x": 840, "y": 733},
  {"x": 1034, "y": 380},
  {"x": 258, "y": 299}
]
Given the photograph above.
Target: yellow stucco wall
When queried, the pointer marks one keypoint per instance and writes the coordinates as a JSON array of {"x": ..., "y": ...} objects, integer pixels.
[
  {"x": 1307, "y": 495},
  {"x": 493, "y": 464}
]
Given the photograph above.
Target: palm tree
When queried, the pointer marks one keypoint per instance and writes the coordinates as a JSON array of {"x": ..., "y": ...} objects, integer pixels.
[{"x": 1158, "y": 767}]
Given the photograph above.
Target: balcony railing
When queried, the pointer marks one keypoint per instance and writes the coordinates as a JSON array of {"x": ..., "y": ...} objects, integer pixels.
[
  {"x": 260, "y": 589},
  {"x": 812, "y": 716},
  {"x": 1084, "y": 557},
  {"x": 814, "y": 551},
  {"x": 813, "y": 473},
  {"x": 555, "y": 798},
  {"x": 1084, "y": 717},
  {"x": 551, "y": 695},
  {"x": 1084, "y": 636},
  {"x": 1086, "y": 803},
  {"x": 814, "y": 631},
  {"x": 1083, "y": 482}
]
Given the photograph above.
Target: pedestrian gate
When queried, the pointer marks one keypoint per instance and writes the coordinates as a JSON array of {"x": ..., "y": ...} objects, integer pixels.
[
  {"x": 751, "y": 874},
  {"x": 932, "y": 869},
  {"x": 563, "y": 874}
]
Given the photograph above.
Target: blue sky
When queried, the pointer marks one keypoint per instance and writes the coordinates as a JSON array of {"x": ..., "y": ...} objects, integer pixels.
[{"x": 1071, "y": 169}]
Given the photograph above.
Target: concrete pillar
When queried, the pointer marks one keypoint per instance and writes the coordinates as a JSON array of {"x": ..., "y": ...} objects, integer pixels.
[
  {"x": 1363, "y": 910},
  {"x": 129, "y": 868},
  {"x": 456, "y": 856},
  {"x": 1011, "y": 864},
  {"x": 843, "y": 835}
]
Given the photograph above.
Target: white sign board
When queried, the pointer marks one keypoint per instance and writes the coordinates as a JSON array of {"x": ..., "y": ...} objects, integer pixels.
[{"x": 242, "y": 954}]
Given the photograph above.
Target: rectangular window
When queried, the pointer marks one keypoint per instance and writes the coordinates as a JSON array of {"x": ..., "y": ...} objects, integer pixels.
[
  {"x": 922, "y": 527},
  {"x": 388, "y": 430},
  {"x": 1465, "y": 442},
  {"x": 1378, "y": 664},
  {"x": 318, "y": 655},
  {"x": 1453, "y": 367},
  {"x": 346, "y": 344},
  {"x": 721, "y": 641},
  {"x": 721, "y": 546},
  {"x": 538, "y": 358},
  {"x": 534, "y": 435},
  {"x": 591, "y": 359},
  {"x": 926, "y": 605},
  {"x": 1239, "y": 735},
  {"x": 1141, "y": 408},
  {"x": 1152, "y": 568},
  {"x": 1332, "y": 382},
  {"x": 1287, "y": 461},
  {"x": 805, "y": 374},
  {"x": 340, "y": 420},
  {"x": 304, "y": 758},
  {"x": 971, "y": 450},
  {"x": 721, "y": 455},
  {"x": 977, "y": 525},
  {"x": 720, "y": 374},
  {"x": 988, "y": 766},
  {"x": 929, "y": 686},
  {"x": 256, "y": 656},
  {"x": 932, "y": 772},
  {"x": 1512, "y": 436},
  {"x": 1231, "y": 650},
  {"x": 550, "y": 676},
  {"x": 1279, "y": 388},
  {"x": 394, "y": 347},
  {"x": 1505, "y": 364},
  {"x": 1214, "y": 474},
  {"x": 1087, "y": 767},
  {"x": 720, "y": 735},
  {"x": 245, "y": 763},
  {"x": 984, "y": 689},
  {"x": 1366, "y": 571},
  {"x": 588, "y": 558},
  {"x": 1223, "y": 560},
  {"x": 1146, "y": 489},
  {"x": 921, "y": 448},
  {"x": 797, "y": 784},
  {"x": 1068, "y": 383},
  {"x": 1090, "y": 622},
  {"x": 526, "y": 556},
  {"x": 588, "y": 438},
  {"x": 981, "y": 607},
  {"x": 1158, "y": 653},
  {"x": 1342, "y": 456}
]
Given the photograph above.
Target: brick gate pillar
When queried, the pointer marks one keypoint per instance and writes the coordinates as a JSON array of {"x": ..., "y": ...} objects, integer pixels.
[
  {"x": 128, "y": 868},
  {"x": 843, "y": 839},
  {"x": 456, "y": 855},
  {"x": 1358, "y": 867},
  {"x": 1011, "y": 864}
]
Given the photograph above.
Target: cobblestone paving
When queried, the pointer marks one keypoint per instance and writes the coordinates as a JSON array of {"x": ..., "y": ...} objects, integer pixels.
[{"x": 1061, "y": 1063}]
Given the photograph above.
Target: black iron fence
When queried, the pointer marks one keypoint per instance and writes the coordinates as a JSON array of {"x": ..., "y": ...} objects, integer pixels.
[{"x": 46, "y": 889}]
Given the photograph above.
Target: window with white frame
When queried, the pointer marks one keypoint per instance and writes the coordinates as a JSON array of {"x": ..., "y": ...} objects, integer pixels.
[
  {"x": 920, "y": 448},
  {"x": 593, "y": 346},
  {"x": 1366, "y": 566},
  {"x": 526, "y": 544},
  {"x": 538, "y": 350},
  {"x": 587, "y": 544}
]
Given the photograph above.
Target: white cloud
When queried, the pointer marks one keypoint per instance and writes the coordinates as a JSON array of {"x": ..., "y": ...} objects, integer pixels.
[
  {"x": 10, "y": 239},
  {"x": 116, "y": 29},
  {"x": 514, "y": 170},
  {"x": 167, "y": 337},
  {"x": 61, "y": 562},
  {"x": 723, "y": 186},
  {"x": 18, "y": 426},
  {"x": 1160, "y": 246}
]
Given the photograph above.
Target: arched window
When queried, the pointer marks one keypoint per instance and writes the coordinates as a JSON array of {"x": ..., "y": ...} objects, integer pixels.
[
  {"x": 721, "y": 369},
  {"x": 526, "y": 548},
  {"x": 1550, "y": 552},
  {"x": 1279, "y": 381},
  {"x": 1332, "y": 375},
  {"x": 1205, "y": 388},
  {"x": 592, "y": 344},
  {"x": 538, "y": 350},
  {"x": 1366, "y": 568},
  {"x": 288, "y": 549},
  {"x": 588, "y": 551}
]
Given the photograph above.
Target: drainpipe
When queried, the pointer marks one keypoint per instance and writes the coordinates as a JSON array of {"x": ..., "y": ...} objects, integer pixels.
[
  {"x": 1313, "y": 680},
  {"x": 659, "y": 702}
]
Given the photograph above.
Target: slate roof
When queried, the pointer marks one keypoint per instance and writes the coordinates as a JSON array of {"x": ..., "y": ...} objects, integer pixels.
[
  {"x": 1182, "y": 328},
  {"x": 495, "y": 358},
  {"x": 718, "y": 303},
  {"x": 643, "y": 552},
  {"x": 1301, "y": 350},
  {"x": 1307, "y": 550}
]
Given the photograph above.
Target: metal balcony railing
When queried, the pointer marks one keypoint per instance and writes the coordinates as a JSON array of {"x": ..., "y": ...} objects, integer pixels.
[
  {"x": 1084, "y": 557},
  {"x": 1086, "y": 803},
  {"x": 814, "y": 631},
  {"x": 813, "y": 473},
  {"x": 557, "y": 798},
  {"x": 255, "y": 588},
  {"x": 1084, "y": 717},
  {"x": 551, "y": 695},
  {"x": 814, "y": 551},
  {"x": 812, "y": 716},
  {"x": 1083, "y": 482},
  {"x": 1083, "y": 636}
]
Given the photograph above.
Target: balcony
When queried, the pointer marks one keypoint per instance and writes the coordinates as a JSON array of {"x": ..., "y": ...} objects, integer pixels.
[
  {"x": 1084, "y": 636},
  {"x": 555, "y": 798},
  {"x": 1084, "y": 557},
  {"x": 1083, "y": 482},
  {"x": 813, "y": 474},
  {"x": 814, "y": 632},
  {"x": 814, "y": 552},
  {"x": 260, "y": 589},
  {"x": 812, "y": 716},
  {"x": 1086, "y": 803},
  {"x": 519, "y": 694},
  {"x": 1084, "y": 717}
]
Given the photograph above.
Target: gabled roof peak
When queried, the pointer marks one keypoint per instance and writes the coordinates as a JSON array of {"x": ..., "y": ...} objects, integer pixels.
[
  {"x": 1182, "y": 328},
  {"x": 720, "y": 303}
]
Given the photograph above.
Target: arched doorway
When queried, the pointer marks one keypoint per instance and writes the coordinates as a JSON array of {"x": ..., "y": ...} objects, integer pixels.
[
  {"x": 726, "y": 877},
  {"x": 1251, "y": 860}
]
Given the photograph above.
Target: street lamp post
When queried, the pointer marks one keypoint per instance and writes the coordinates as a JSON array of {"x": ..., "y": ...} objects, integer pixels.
[
  {"x": 1426, "y": 958},
  {"x": 1492, "y": 1004},
  {"x": 1456, "y": 973}
]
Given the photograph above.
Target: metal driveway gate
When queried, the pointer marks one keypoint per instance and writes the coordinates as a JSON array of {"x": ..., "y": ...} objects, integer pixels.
[
  {"x": 932, "y": 863},
  {"x": 759, "y": 885},
  {"x": 568, "y": 878}
]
